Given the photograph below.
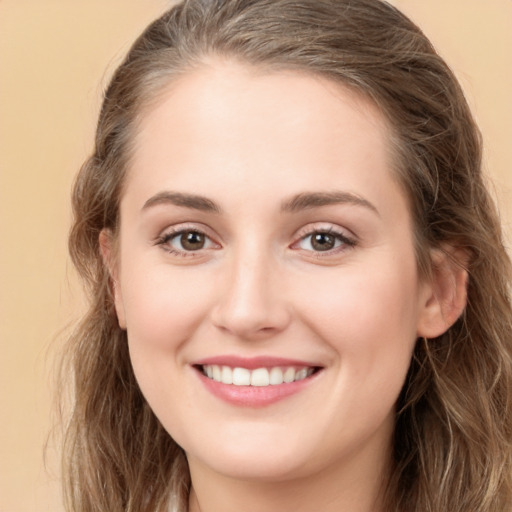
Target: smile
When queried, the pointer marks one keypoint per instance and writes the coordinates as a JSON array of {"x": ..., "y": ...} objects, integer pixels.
[
  {"x": 258, "y": 377},
  {"x": 255, "y": 381}
]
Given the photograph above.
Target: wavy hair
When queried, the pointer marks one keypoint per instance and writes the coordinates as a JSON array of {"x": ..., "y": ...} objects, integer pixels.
[{"x": 452, "y": 445}]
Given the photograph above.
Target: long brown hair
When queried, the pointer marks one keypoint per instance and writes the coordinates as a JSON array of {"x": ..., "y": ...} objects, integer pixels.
[{"x": 452, "y": 446}]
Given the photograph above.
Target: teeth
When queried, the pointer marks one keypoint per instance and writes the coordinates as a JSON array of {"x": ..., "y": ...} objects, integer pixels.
[
  {"x": 289, "y": 375},
  {"x": 241, "y": 377},
  {"x": 276, "y": 376},
  {"x": 301, "y": 374},
  {"x": 226, "y": 375},
  {"x": 259, "y": 377},
  {"x": 217, "y": 373}
]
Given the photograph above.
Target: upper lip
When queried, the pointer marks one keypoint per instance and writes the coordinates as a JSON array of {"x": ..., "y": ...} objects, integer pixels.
[{"x": 251, "y": 363}]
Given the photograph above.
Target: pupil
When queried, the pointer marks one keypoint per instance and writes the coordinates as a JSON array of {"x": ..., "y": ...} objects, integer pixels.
[
  {"x": 192, "y": 241},
  {"x": 322, "y": 241}
]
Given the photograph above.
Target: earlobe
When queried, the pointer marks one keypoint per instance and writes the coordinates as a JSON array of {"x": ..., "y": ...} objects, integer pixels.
[
  {"x": 110, "y": 261},
  {"x": 445, "y": 294}
]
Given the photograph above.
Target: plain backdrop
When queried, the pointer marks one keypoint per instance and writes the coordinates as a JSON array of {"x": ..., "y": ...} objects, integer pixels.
[{"x": 55, "y": 59}]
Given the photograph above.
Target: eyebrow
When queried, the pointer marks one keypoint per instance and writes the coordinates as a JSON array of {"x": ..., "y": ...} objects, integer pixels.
[
  {"x": 307, "y": 200},
  {"x": 181, "y": 199},
  {"x": 299, "y": 202}
]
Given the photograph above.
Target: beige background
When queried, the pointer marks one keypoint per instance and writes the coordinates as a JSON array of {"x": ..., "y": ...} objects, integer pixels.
[{"x": 53, "y": 57}]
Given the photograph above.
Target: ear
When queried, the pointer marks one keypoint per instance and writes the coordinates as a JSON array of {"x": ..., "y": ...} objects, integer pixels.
[
  {"x": 110, "y": 260},
  {"x": 445, "y": 294}
]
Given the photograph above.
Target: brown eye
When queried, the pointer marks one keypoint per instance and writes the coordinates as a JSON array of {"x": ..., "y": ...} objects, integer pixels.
[
  {"x": 192, "y": 240},
  {"x": 328, "y": 241},
  {"x": 186, "y": 242},
  {"x": 323, "y": 241}
]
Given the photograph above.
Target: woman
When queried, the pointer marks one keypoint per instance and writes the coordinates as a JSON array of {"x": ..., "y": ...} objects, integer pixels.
[{"x": 299, "y": 291}]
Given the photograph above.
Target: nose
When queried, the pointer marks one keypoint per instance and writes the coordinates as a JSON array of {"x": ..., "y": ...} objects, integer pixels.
[{"x": 251, "y": 302}]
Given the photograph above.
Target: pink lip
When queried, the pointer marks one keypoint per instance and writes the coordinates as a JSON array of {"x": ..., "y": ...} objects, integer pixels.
[
  {"x": 251, "y": 363},
  {"x": 253, "y": 396}
]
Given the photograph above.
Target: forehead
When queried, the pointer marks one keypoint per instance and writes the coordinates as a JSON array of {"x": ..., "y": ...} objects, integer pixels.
[
  {"x": 231, "y": 122},
  {"x": 219, "y": 90}
]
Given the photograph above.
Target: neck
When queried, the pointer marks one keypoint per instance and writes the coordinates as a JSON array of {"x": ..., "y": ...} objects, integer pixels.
[{"x": 350, "y": 486}]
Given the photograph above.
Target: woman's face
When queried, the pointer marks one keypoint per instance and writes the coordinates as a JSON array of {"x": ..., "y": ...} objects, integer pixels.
[{"x": 264, "y": 239}]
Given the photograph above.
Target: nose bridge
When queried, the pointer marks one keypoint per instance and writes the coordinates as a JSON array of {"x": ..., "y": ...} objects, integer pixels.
[{"x": 251, "y": 302}]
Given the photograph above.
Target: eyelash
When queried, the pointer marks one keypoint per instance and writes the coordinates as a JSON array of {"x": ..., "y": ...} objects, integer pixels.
[
  {"x": 167, "y": 237},
  {"x": 344, "y": 241}
]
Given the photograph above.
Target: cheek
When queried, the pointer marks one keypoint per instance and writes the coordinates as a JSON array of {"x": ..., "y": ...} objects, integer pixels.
[
  {"x": 164, "y": 307},
  {"x": 368, "y": 318},
  {"x": 369, "y": 321}
]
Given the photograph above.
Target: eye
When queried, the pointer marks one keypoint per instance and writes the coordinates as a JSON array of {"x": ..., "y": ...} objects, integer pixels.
[
  {"x": 185, "y": 241},
  {"x": 190, "y": 240},
  {"x": 324, "y": 241},
  {"x": 319, "y": 242}
]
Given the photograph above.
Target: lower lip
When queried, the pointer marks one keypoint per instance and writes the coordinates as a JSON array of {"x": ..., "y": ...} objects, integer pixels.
[{"x": 254, "y": 396}]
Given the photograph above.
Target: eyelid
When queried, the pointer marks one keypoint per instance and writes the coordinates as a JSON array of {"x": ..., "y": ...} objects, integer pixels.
[
  {"x": 325, "y": 227},
  {"x": 171, "y": 232},
  {"x": 348, "y": 239}
]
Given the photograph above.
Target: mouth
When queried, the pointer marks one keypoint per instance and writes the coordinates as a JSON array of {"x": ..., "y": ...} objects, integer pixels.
[
  {"x": 255, "y": 381},
  {"x": 256, "y": 377}
]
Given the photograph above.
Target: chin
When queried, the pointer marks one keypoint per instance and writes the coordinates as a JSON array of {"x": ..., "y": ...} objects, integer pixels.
[
  {"x": 253, "y": 458},
  {"x": 262, "y": 469}
]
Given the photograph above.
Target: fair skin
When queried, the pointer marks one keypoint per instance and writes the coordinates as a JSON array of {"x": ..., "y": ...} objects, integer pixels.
[{"x": 261, "y": 219}]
